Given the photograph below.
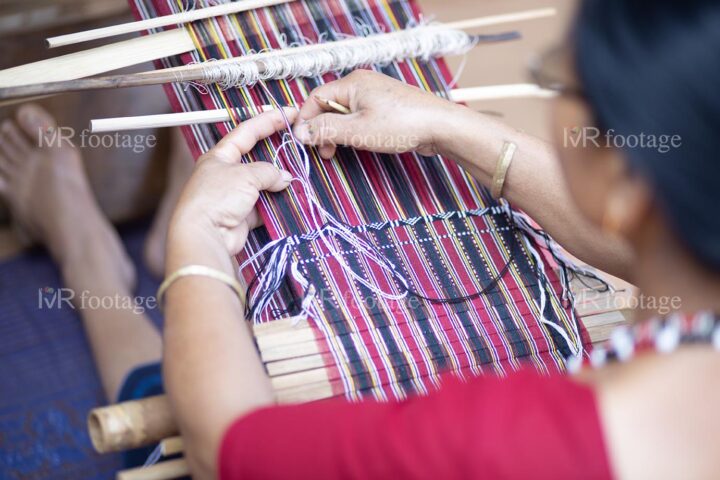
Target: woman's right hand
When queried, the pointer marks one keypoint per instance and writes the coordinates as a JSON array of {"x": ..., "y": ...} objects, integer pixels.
[{"x": 387, "y": 116}]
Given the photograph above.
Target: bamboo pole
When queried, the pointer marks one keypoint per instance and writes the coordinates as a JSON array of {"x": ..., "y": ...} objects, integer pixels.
[
  {"x": 489, "y": 21},
  {"x": 126, "y": 425},
  {"x": 166, "y": 470},
  {"x": 165, "y": 120},
  {"x": 460, "y": 95},
  {"x": 171, "y": 446},
  {"x": 163, "y": 21},
  {"x": 96, "y": 60},
  {"x": 195, "y": 72},
  {"x": 500, "y": 92}
]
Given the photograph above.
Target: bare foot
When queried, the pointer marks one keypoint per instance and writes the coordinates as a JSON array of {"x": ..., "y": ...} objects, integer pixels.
[
  {"x": 180, "y": 168},
  {"x": 51, "y": 202}
]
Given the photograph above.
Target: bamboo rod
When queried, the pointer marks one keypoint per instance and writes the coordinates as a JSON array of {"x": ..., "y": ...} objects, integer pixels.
[
  {"x": 163, "y": 21},
  {"x": 503, "y": 18},
  {"x": 194, "y": 72},
  {"x": 165, "y": 120},
  {"x": 460, "y": 95},
  {"x": 96, "y": 60},
  {"x": 166, "y": 470},
  {"x": 500, "y": 92},
  {"x": 171, "y": 446},
  {"x": 126, "y": 425}
]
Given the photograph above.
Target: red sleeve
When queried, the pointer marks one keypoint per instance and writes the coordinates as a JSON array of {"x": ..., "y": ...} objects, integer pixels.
[{"x": 523, "y": 426}]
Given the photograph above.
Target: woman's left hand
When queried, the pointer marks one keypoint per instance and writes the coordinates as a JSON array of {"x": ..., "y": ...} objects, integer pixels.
[{"x": 218, "y": 202}]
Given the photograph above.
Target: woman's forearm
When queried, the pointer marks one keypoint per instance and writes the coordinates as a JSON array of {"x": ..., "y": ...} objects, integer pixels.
[
  {"x": 534, "y": 183},
  {"x": 212, "y": 371}
]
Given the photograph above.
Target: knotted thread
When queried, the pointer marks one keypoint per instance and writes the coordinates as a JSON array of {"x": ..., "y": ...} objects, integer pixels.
[{"x": 422, "y": 42}]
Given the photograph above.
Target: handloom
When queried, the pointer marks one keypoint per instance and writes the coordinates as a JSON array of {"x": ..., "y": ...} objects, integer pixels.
[
  {"x": 395, "y": 260},
  {"x": 374, "y": 274}
]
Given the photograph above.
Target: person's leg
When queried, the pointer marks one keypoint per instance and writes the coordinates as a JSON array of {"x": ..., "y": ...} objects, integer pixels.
[
  {"x": 51, "y": 201},
  {"x": 180, "y": 168}
]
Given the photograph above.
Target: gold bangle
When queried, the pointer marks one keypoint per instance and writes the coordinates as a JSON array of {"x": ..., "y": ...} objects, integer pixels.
[
  {"x": 503, "y": 164},
  {"x": 202, "y": 271}
]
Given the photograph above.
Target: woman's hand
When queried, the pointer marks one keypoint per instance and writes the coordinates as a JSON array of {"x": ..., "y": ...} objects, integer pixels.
[
  {"x": 212, "y": 372},
  {"x": 218, "y": 202},
  {"x": 387, "y": 116}
]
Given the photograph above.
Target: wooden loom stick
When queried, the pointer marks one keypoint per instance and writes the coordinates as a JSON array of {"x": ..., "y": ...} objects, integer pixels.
[
  {"x": 131, "y": 423},
  {"x": 164, "y": 120},
  {"x": 97, "y": 60},
  {"x": 166, "y": 470},
  {"x": 195, "y": 72},
  {"x": 171, "y": 446},
  {"x": 164, "y": 21},
  {"x": 460, "y": 95}
]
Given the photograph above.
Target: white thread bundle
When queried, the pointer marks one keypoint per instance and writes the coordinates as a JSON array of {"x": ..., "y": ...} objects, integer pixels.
[
  {"x": 327, "y": 228},
  {"x": 423, "y": 42},
  {"x": 524, "y": 224}
]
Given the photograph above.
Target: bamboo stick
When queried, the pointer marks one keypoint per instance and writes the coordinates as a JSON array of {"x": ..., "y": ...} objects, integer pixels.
[
  {"x": 126, "y": 425},
  {"x": 460, "y": 95},
  {"x": 121, "y": 124},
  {"x": 167, "y": 470},
  {"x": 194, "y": 72},
  {"x": 503, "y": 18},
  {"x": 96, "y": 60},
  {"x": 171, "y": 446},
  {"x": 500, "y": 92},
  {"x": 159, "y": 22}
]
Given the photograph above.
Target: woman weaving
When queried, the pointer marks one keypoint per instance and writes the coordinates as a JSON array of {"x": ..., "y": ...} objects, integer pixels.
[
  {"x": 652, "y": 417},
  {"x": 638, "y": 213}
]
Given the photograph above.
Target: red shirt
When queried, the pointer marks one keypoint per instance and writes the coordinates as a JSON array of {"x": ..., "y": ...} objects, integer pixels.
[{"x": 523, "y": 426}]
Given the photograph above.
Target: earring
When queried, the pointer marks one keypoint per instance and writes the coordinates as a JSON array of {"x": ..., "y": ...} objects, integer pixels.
[{"x": 612, "y": 217}]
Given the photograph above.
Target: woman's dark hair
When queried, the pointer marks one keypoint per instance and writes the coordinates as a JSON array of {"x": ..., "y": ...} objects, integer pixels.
[{"x": 653, "y": 68}]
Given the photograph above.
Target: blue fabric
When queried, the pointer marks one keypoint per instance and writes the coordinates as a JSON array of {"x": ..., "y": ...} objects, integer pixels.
[
  {"x": 142, "y": 382},
  {"x": 48, "y": 381}
]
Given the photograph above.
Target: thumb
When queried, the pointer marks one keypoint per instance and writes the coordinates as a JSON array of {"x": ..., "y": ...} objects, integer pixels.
[
  {"x": 265, "y": 176},
  {"x": 326, "y": 129}
]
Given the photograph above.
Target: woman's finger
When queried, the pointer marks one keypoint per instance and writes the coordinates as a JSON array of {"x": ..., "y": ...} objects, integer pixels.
[
  {"x": 265, "y": 176},
  {"x": 337, "y": 91},
  {"x": 333, "y": 129},
  {"x": 243, "y": 138},
  {"x": 327, "y": 152}
]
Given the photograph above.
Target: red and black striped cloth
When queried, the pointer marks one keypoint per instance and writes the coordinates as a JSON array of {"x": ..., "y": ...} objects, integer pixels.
[{"x": 472, "y": 288}]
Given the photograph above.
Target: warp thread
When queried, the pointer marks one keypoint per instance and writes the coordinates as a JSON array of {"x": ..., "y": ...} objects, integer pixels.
[
  {"x": 327, "y": 230},
  {"x": 567, "y": 268},
  {"x": 279, "y": 253}
]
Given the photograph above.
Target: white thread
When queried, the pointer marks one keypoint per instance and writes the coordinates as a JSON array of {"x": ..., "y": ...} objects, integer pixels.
[
  {"x": 326, "y": 228},
  {"x": 154, "y": 456},
  {"x": 523, "y": 223},
  {"x": 424, "y": 42}
]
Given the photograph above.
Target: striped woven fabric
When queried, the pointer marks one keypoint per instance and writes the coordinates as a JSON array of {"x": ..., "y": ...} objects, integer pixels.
[{"x": 403, "y": 265}]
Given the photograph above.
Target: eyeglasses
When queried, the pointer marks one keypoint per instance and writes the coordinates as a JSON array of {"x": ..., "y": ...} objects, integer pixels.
[{"x": 552, "y": 71}]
